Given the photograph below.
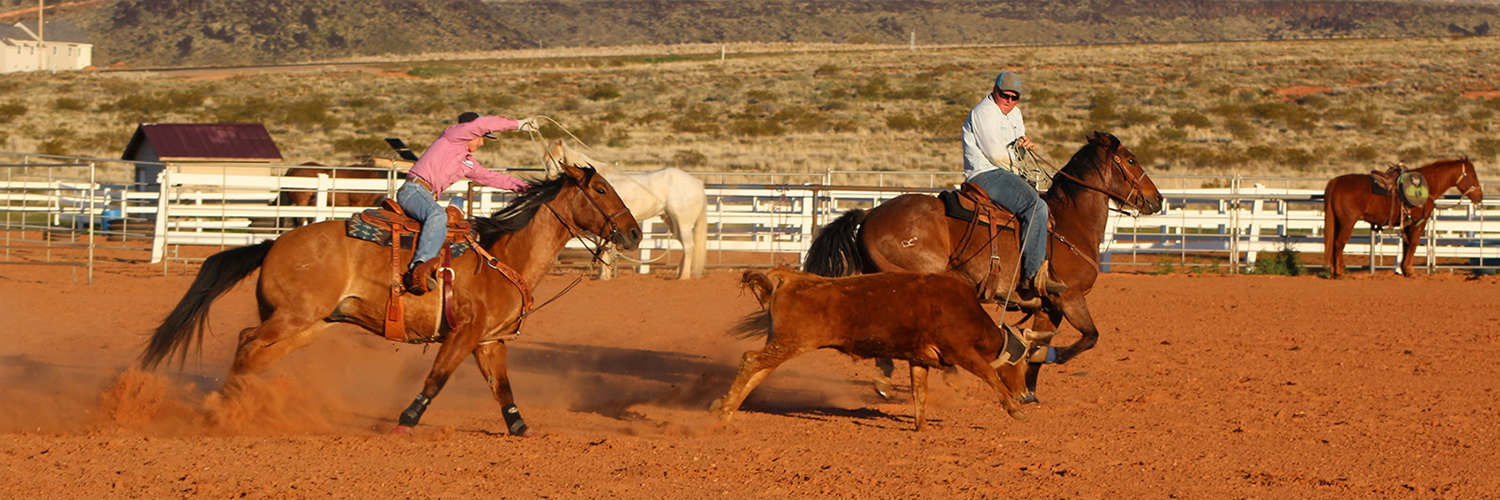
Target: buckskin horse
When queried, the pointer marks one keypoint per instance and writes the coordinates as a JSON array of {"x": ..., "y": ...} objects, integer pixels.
[
  {"x": 912, "y": 232},
  {"x": 315, "y": 276},
  {"x": 1350, "y": 198}
]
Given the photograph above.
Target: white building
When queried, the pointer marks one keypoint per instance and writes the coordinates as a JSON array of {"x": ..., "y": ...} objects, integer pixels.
[{"x": 62, "y": 47}]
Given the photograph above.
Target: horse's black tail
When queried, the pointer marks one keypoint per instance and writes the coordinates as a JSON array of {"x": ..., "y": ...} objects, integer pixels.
[
  {"x": 836, "y": 250},
  {"x": 753, "y": 325},
  {"x": 219, "y": 273}
]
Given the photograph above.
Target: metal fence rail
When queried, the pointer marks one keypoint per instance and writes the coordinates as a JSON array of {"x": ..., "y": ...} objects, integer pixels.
[{"x": 1223, "y": 223}]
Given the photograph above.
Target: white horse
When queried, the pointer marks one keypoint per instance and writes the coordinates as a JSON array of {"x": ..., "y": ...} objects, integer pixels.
[{"x": 675, "y": 196}]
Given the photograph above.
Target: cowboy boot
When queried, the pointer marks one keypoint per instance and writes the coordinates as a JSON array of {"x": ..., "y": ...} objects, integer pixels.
[
  {"x": 1043, "y": 284},
  {"x": 422, "y": 277}
]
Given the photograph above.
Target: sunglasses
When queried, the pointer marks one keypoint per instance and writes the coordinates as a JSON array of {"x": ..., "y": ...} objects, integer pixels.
[{"x": 1009, "y": 97}]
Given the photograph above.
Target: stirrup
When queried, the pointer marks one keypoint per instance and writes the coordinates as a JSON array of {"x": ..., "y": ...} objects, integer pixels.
[
  {"x": 421, "y": 278},
  {"x": 1043, "y": 282}
]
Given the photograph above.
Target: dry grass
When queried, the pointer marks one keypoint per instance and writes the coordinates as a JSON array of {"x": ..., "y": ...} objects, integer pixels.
[{"x": 1256, "y": 108}]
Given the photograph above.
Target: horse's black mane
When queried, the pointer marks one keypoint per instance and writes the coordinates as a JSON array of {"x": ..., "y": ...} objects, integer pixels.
[
  {"x": 1084, "y": 160},
  {"x": 518, "y": 214}
]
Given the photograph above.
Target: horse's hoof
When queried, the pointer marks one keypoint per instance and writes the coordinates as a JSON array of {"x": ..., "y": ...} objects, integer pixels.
[
  {"x": 1029, "y": 399},
  {"x": 401, "y": 429},
  {"x": 883, "y": 388}
]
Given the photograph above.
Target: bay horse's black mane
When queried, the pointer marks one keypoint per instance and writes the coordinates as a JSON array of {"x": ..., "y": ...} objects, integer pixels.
[
  {"x": 519, "y": 212},
  {"x": 1087, "y": 158}
]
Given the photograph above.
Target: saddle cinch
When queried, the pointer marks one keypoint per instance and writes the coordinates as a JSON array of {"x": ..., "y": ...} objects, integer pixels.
[
  {"x": 389, "y": 226},
  {"x": 971, "y": 204}
]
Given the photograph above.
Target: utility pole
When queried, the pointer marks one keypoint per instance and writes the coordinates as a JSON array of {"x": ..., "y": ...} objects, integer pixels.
[{"x": 40, "y": 7}]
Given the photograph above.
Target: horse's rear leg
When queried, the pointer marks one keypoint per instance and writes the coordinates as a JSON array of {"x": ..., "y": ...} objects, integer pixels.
[
  {"x": 458, "y": 345},
  {"x": 754, "y": 367},
  {"x": 492, "y": 363},
  {"x": 262, "y": 346}
]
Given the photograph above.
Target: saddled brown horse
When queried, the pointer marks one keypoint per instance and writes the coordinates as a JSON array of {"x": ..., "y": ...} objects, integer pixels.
[
  {"x": 912, "y": 233},
  {"x": 372, "y": 168},
  {"x": 315, "y": 276},
  {"x": 1350, "y": 198}
]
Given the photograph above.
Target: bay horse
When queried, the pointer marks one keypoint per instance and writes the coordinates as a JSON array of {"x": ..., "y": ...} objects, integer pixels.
[
  {"x": 670, "y": 193},
  {"x": 913, "y": 233},
  {"x": 1349, "y": 198},
  {"x": 929, "y": 320},
  {"x": 315, "y": 276},
  {"x": 368, "y": 169}
]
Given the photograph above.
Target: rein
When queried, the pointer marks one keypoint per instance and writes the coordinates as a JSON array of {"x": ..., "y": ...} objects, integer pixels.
[{"x": 1135, "y": 184}]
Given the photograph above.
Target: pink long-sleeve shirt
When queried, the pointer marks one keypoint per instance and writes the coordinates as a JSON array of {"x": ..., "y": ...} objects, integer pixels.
[{"x": 448, "y": 160}]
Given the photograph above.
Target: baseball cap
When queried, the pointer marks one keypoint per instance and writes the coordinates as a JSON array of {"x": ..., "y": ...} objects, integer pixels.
[
  {"x": 1009, "y": 81},
  {"x": 469, "y": 116}
]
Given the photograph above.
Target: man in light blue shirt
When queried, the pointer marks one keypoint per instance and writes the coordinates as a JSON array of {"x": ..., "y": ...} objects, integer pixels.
[{"x": 995, "y": 141}]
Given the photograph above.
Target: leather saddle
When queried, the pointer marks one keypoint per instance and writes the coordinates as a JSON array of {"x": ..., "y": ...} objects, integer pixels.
[
  {"x": 970, "y": 203},
  {"x": 1398, "y": 182},
  {"x": 389, "y": 226}
]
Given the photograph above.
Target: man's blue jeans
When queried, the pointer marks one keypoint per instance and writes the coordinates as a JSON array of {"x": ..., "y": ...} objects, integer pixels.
[
  {"x": 1013, "y": 193},
  {"x": 419, "y": 204}
]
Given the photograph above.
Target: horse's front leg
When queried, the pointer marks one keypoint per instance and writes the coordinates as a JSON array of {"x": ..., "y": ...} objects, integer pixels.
[
  {"x": 492, "y": 364},
  {"x": 1411, "y": 238},
  {"x": 459, "y": 343},
  {"x": 1047, "y": 319}
]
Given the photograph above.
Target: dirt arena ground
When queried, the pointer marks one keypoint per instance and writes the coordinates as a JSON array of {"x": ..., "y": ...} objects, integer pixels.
[{"x": 1202, "y": 386}]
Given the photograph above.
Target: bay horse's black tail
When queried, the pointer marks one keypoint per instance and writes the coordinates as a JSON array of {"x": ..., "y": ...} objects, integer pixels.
[
  {"x": 836, "y": 251},
  {"x": 219, "y": 273}
]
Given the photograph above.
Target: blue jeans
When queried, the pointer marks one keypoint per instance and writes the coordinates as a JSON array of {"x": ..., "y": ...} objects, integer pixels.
[
  {"x": 1013, "y": 193},
  {"x": 419, "y": 204}
]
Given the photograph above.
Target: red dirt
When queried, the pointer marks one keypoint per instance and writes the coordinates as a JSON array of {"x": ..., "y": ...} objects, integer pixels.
[
  {"x": 1201, "y": 387},
  {"x": 1302, "y": 90}
]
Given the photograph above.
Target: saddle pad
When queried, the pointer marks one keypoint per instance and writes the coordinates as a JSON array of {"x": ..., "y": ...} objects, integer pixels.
[{"x": 358, "y": 227}]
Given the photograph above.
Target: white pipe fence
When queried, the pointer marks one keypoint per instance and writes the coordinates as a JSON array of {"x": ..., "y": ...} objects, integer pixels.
[{"x": 1223, "y": 227}]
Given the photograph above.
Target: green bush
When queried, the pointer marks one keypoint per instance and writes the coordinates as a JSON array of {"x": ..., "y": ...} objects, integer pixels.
[
  {"x": 1286, "y": 262},
  {"x": 751, "y": 126},
  {"x": 1486, "y": 147},
  {"x": 603, "y": 92},
  {"x": 1102, "y": 106},
  {"x": 689, "y": 158},
  {"x": 11, "y": 111},
  {"x": 359, "y": 146},
  {"x": 69, "y": 104},
  {"x": 902, "y": 122},
  {"x": 308, "y": 113},
  {"x": 1190, "y": 118}
]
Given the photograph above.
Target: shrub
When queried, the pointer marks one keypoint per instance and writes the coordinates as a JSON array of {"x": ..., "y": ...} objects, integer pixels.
[
  {"x": 750, "y": 126},
  {"x": 381, "y": 123},
  {"x": 1190, "y": 118},
  {"x": 11, "y": 111},
  {"x": 902, "y": 122},
  {"x": 1361, "y": 153},
  {"x": 69, "y": 104},
  {"x": 1102, "y": 106},
  {"x": 761, "y": 95},
  {"x": 1132, "y": 117},
  {"x": 700, "y": 119},
  {"x": 651, "y": 117},
  {"x": 309, "y": 113},
  {"x": 873, "y": 88},
  {"x": 1285, "y": 262},
  {"x": 1413, "y": 154},
  {"x": 248, "y": 110},
  {"x": 603, "y": 92},
  {"x": 826, "y": 70},
  {"x": 1486, "y": 147},
  {"x": 1171, "y": 134},
  {"x": 57, "y": 147},
  {"x": 359, "y": 146},
  {"x": 689, "y": 158}
]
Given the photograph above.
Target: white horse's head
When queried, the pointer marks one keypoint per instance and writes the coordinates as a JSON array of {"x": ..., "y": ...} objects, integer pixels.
[{"x": 560, "y": 154}]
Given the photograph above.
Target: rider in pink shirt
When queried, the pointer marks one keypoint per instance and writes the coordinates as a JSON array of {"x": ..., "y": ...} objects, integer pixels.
[{"x": 448, "y": 160}]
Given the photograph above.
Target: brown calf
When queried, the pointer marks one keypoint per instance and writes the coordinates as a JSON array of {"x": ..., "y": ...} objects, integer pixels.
[{"x": 929, "y": 320}]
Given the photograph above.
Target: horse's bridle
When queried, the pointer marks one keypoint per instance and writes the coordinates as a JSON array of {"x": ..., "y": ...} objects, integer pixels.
[
  {"x": 1462, "y": 174},
  {"x": 577, "y": 232},
  {"x": 1135, "y": 184}
]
